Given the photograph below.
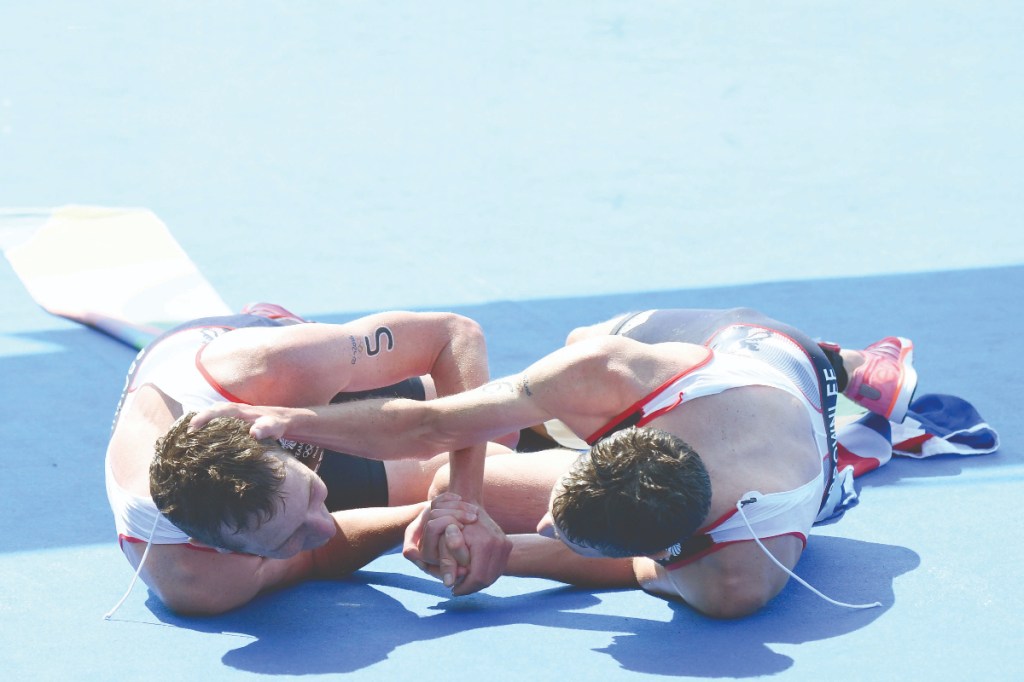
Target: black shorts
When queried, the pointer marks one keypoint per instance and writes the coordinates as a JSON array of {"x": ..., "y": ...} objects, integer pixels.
[{"x": 356, "y": 482}]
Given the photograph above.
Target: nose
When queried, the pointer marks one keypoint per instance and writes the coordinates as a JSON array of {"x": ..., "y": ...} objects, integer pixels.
[
  {"x": 320, "y": 530},
  {"x": 327, "y": 525}
]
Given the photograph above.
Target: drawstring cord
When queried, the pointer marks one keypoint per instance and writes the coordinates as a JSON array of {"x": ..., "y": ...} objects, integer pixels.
[
  {"x": 794, "y": 576},
  {"x": 135, "y": 578}
]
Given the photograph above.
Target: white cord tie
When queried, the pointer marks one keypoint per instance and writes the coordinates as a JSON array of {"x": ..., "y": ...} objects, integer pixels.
[
  {"x": 135, "y": 578},
  {"x": 794, "y": 576}
]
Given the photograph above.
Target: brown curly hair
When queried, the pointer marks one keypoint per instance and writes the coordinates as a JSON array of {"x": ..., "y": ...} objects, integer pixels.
[
  {"x": 215, "y": 477},
  {"x": 635, "y": 493}
]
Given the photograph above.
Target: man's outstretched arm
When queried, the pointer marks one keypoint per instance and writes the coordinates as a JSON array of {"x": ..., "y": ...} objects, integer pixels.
[
  {"x": 196, "y": 582},
  {"x": 535, "y": 556},
  {"x": 581, "y": 384}
]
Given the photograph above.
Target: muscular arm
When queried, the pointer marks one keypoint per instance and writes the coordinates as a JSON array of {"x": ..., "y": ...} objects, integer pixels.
[
  {"x": 732, "y": 583},
  {"x": 583, "y": 385},
  {"x": 535, "y": 556},
  {"x": 196, "y": 582},
  {"x": 308, "y": 364}
]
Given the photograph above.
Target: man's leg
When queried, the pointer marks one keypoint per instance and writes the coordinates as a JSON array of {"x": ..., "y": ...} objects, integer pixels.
[
  {"x": 881, "y": 378},
  {"x": 409, "y": 480}
]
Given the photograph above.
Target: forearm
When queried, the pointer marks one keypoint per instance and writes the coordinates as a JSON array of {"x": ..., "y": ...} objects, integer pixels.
[
  {"x": 466, "y": 467},
  {"x": 461, "y": 366},
  {"x": 381, "y": 429},
  {"x": 363, "y": 535},
  {"x": 534, "y": 556},
  {"x": 409, "y": 429}
]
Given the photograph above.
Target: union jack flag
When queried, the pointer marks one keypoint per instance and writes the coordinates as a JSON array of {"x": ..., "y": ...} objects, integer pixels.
[{"x": 936, "y": 424}]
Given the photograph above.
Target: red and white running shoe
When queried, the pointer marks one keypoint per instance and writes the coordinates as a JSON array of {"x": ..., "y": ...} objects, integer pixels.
[
  {"x": 886, "y": 382},
  {"x": 270, "y": 311}
]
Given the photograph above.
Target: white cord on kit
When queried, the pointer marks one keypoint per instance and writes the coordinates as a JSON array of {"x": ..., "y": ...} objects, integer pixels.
[
  {"x": 794, "y": 576},
  {"x": 135, "y": 578}
]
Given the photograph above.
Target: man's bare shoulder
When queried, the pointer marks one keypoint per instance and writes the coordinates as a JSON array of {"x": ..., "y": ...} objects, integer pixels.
[
  {"x": 596, "y": 378},
  {"x": 199, "y": 581},
  {"x": 647, "y": 365},
  {"x": 144, "y": 418}
]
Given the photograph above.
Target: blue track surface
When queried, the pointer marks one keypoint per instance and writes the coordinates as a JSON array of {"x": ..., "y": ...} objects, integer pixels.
[{"x": 852, "y": 168}]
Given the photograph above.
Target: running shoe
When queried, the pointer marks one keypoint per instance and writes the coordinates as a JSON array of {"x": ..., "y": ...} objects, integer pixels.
[
  {"x": 271, "y": 311},
  {"x": 886, "y": 381}
]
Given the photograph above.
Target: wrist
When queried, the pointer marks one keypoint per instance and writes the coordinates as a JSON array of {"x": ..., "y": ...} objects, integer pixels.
[{"x": 467, "y": 474}]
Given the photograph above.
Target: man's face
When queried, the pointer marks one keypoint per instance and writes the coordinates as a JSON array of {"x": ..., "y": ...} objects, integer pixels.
[{"x": 300, "y": 521}]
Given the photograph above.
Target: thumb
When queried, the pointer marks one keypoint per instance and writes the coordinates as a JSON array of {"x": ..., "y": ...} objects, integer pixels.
[
  {"x": 266, "y": 427},
  {"x": 411, "y": 541}
]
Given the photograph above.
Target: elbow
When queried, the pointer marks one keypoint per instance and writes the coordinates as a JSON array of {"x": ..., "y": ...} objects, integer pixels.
[
  {"x": 466, "y": 329},
  {"x": 467, "y": 340}
]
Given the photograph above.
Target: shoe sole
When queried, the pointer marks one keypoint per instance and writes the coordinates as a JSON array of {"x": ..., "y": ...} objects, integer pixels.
[{"x": 901, "y": 402}]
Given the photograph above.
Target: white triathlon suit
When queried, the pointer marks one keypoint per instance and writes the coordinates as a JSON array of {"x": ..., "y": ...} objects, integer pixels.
[
  {"x": 745, "y": 355},
  {"x": 172, "y": 364}
]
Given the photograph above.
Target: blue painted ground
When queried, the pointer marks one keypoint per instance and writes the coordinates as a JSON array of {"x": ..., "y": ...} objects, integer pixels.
[{"x": 852, "y": 168}]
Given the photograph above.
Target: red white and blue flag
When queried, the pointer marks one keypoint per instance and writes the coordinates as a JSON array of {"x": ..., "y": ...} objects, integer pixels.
[{"x": 936, "y": 424}]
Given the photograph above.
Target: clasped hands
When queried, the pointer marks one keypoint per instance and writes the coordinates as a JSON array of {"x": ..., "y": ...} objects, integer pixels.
[{"x": 458, "y": 543}]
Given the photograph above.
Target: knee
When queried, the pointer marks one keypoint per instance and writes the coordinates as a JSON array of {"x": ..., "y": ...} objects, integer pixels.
[
  {"x": 578, "y": 334},
  {"x": 191, "y": 604},
  {"x": 582, "y": 333},
  {"x": 439, "y": 484}
]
